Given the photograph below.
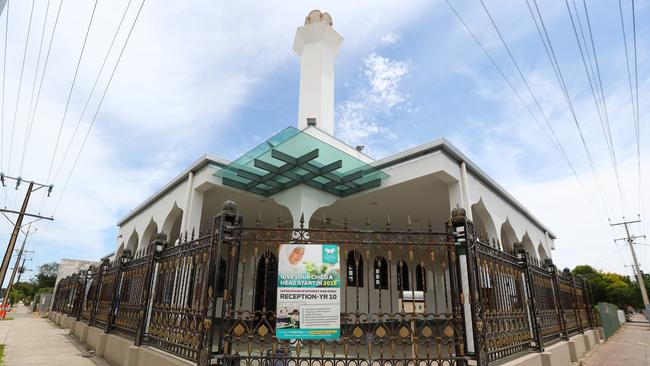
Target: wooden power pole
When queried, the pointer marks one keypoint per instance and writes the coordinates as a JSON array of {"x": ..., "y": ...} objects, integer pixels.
[
  {"x": 19, "y": 223},
  {"x": 637, "y": 271}
]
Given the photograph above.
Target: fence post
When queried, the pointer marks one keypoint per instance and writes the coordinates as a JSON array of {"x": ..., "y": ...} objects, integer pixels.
[
  {"x": 558, "y": 299},
  {"x": 567, "y": 272},
  {"x": 463, "y": 231},
  {"x": 530, "y": 291},
  {"x": 155, "y": 250},
  {"x": 102, "y": 270},
  {"x": 225, "y": 228},
  {"x": 455, "y": 283},
  {"x": 117, "y": 286}
]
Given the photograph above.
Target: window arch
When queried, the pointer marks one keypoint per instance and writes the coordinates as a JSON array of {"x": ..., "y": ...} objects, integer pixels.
[
  {"x": 266, "y": 282},
  {"x": 403, "y": 276},
  {"x": 381, "y": 273},
  {"x": 420, "y": 278},
  {"x": 355, "y": 269}
]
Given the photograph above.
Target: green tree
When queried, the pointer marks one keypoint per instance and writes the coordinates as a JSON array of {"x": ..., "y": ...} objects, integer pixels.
[
  {"x": 46, "y": 276},
  {"x": 609, "y": 287}
]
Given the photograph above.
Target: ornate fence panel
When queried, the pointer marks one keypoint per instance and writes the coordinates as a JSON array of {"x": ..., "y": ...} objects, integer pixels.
[
  {"x": 67, "y": 295},
  {"x": 91, "y": 294},
  {"x": 568, "y": 304},
  {"x": 133, "y": 293},
  {"x": 549, "y": 318},
  {"x": 380, "y": 272},
  {"x": 106, "y": 296},
  {"x": 180, "y": 290},
  {"x": 583, "y": 304},
  {"x": 502, "y": 292}
]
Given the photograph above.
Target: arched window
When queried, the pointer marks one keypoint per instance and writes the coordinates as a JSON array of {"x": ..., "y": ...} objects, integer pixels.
[
  {"x": 402, "y": 276},
  {"x": 355, "y": 269},
  {"x": 420, "y": 278},
  {"x": 381, "y": 273},
  {"x": 266, "y": 282}
]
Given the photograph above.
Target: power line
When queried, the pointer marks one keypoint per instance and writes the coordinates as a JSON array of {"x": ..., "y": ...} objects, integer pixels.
[
  {"x": 555, "y": 141},
  {"x": 20, "y": 85},
  {"x": 604, "y": 122},
  {"x": 31, "y": 101},
  {"x": 550, "y": 52},
  {"x": 99, "y": 74},
  {"x": 638, "y": 116},
  {"x": 40, "y": 87},
  {"x": 92, "y": 122},
  {"x": 74, "y": 80},
  {"x": 602, "y": 95},
  {"x": 4, "y": 79}
]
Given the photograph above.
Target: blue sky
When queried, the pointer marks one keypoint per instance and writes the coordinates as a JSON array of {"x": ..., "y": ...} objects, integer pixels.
[{"x": 218, "y": 77}]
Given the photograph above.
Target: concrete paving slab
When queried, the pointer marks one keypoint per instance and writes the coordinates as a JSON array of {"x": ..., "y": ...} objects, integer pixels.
[
  {"x": 630, "y": 346},
  {"x": 37, "y": 341}
]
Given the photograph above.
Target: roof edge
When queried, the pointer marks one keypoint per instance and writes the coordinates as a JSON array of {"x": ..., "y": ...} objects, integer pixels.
[
  {"x": 453, "y": 152},
  {"x": 194, "y": 167}
]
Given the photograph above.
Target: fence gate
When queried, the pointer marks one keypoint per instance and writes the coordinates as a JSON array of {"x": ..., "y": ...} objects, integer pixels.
[{"x": 380, "y": 272}]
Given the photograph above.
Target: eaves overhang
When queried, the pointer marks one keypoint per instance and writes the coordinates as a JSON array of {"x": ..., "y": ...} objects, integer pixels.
[
  {"x": 444, "y": 146},
  {"x": 293, "y": 157},
  {"x": 199, "y": 164}
]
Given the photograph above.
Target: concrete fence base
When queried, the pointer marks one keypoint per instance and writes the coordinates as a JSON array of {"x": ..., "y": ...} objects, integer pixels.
[
  {"x": 114, "y": 348},
  {"x": 563, "y": 353},
  {"x": 120, "y": 351}
]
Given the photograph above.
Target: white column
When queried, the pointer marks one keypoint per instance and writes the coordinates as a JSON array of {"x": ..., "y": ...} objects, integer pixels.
[
  {"x": 186, "y": 206},
  {"x": 194, "y": 212},
  {"x": 317, "y": 44},
  {"x": 462, "y": 189},
  {"x": 467, "y": 198},
  {"x": 303, "y": 200}
]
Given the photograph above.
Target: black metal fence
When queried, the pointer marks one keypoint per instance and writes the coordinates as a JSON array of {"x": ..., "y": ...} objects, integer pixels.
[{"x": 212, "y": 298}]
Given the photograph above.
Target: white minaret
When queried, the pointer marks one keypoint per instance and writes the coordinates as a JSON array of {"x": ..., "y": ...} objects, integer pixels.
[{"x": 317, "y": 44}]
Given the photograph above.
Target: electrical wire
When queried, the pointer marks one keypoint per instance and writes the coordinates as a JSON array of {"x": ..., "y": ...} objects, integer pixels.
[
  {"x": 74, "y": 80},
  {"x": 90, "y": 95},
  {"x": 40, "y": 86},
  {"x": 638, "y": 122},
  {"x": 20, "y": 84},
  {"x": 67, "y": 104},
  {"x": 554, "y": 140},
  {"x": 92, "y": 122},
  {"x": 602, "y": 94},
  {"x": 604, "y": 122},
  {"x": 4, "y": 74},
  {"x": 553, "y": 60},
  {"x": 31, "y": 101}
]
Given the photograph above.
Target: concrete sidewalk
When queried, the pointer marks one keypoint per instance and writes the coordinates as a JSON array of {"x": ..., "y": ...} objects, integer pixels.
[
  {"x": 34, "y": 341},
  {"x": 630, "y": 346}
]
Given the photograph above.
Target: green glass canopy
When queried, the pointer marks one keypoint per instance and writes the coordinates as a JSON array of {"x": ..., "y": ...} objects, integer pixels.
[{"x": 292, "y": 157}]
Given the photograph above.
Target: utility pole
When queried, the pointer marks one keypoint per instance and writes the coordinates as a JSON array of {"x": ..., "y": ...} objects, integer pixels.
[
  {"x": 637, "y": 271},
  {"x": 3, "y": 311},
  {"x": 22, "y": 268},
  {"x": 19, "y": 222}
]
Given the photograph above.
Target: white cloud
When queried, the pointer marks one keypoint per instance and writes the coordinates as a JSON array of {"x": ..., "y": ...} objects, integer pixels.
[
  {"x": 390, "y": 39},
  {"x": 187, "y": 71},
  {"x": 358, "y": 119}
]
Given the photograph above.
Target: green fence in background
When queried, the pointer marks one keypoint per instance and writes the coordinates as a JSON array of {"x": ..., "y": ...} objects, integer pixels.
[{"x": 608, "y": 318}]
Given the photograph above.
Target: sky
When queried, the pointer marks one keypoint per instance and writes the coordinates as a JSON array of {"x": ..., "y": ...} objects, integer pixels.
[{"x": 214, "y": 77}]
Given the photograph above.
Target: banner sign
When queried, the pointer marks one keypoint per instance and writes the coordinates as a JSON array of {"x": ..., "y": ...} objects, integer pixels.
[{"x": 309, "y": 292}]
